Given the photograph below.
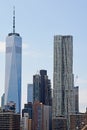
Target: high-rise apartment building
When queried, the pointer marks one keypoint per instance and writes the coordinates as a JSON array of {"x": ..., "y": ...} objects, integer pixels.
[
  {"x": 30, "y": 93},
  {"x": 63, "y": 83},
  {"x": 13, "y": 68}
]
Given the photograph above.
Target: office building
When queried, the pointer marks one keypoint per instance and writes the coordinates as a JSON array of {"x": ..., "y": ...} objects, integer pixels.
[
  {"x": 45, "y": 88},
  {"x": 13, "y": 68},
  {"x": 30, "y": 93},
  {"x": 27, "y": 109},
  {"x": 9, "y": 121},
  {"x": 47, "y": 117},
  {"x": 25, "y": 121},
  {"x": 29, "y": 124},
  {"x": 43, "y": 85},
  {"x": 41, "y": 116},
  {"x": 37, "y": 116},
  {"x": 36, "y": 87},
  {"x": 76, "y": 96},
  {"x": 63, "y": 83},
  {"x": 42, "y": 88}
]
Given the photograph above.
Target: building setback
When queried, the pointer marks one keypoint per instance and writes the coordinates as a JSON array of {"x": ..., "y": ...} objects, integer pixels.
[
  {"x": 63, "y": 83},
  {"x": 13, "y": 68}
]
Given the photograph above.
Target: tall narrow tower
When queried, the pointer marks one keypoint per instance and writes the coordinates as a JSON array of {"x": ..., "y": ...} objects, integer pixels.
[
  {"x": 13, "y": 68},
  {"x": 42, "y": 88},
  {"x": 63, "y": 84}
]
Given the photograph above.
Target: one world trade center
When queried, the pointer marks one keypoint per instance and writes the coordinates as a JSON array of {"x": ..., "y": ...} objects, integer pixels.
[{"x": 13, "y": 68}]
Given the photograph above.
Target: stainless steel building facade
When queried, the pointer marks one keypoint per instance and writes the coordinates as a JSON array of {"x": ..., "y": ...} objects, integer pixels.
[{"x": 63, "y": 81}]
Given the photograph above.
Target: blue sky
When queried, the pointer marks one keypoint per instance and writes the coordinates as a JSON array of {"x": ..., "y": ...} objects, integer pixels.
[{"x": 38, "y": 21}]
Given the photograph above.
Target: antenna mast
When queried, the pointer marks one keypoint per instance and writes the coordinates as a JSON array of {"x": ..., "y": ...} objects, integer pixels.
[{"x": 14, "y": 19}]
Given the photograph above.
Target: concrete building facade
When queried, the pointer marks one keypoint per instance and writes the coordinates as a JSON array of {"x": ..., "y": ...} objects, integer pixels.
[{"x": 9, "y": 121}]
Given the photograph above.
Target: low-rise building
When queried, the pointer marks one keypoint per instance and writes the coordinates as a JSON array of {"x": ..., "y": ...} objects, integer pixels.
[
  {"x": 59, "y": 123},
  {"x": 78, "y": 121},
  {"x": 9, "y": 121}
]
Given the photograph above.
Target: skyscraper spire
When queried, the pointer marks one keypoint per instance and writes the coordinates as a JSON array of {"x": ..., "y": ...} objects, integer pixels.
[{"x": 14, "y": 19}]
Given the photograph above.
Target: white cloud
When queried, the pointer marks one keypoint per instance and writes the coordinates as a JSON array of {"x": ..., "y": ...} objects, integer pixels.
[{"x": 2, "y": 47}]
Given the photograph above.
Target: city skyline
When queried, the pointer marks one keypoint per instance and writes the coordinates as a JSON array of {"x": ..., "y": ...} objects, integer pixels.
[{"x": 65, "y": 17}]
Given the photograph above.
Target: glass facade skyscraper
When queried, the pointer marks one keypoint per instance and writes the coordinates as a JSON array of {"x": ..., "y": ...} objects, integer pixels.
[
  {"x": 42, "y": 88},
  {"x": 30, "y": 93},
  {"x": 13, "y": 68}
]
